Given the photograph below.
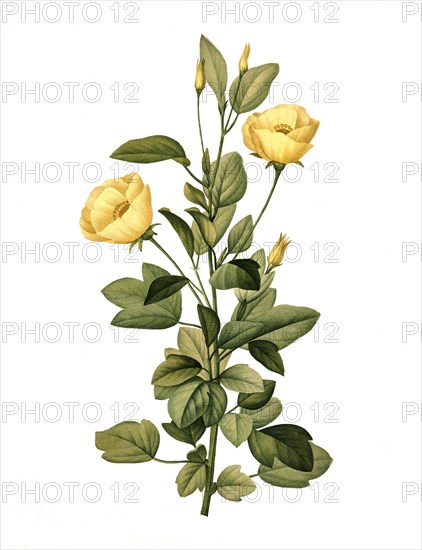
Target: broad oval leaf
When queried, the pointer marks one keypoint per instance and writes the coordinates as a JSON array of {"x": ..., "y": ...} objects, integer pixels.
[
  {"x": 287, "y": 442},
  {"x": 248, "y": 311},
  {"x": 190, "y": 478},
  {"x": 188, "y": 402},
  {"x": 210, "y": 323},
  {"x": 236, "y": 274},
  {"x": 236, "y": 427},
  {"x": 242, "y": 378},
  {"x": 151, "y": 149},
  {"x": 264, "y": 415},
  {"x": 266, "y": 353},
  {"x": 254, "y": 87},
  {"x": 223, "y": 219},
  {"x": 126, "y": 292},
  {"x": 181, "y": 228},
  {"x": 164, "y": 287},
  {"x": 191, "y": 434},
  {"x": 281, "y": 475},
  {"x": 175, "y": 370},
  {"x": 257, "y": 400},
  {"x": 153, "y": 316},
  {"x": 217, "y": 405},
  {"x": 232, "y": 484},
  {"x": 206, "y": 227},
  {"x": 215, "y": 70},
  {"x": 230, "y": 180},
  {"x": 237, "y": 241},
  {"x": 195, "y": 195},
  {"x": 129, "y": 442},
  {"x": 161, "y": 393}
]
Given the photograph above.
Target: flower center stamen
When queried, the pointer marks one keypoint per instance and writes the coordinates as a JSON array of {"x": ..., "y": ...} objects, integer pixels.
[
  {"x": 283, "y": 128},
  {"x": 120, "y": 209}
]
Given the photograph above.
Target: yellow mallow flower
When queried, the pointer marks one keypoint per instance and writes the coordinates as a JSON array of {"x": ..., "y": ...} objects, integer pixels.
[
  {"x": 282, "y": 134},
  {"x": 277, "y": 253},
  {"x": 118, "y": 211}
]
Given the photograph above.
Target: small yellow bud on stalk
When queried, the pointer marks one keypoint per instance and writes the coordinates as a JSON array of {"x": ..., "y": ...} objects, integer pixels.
[
  {"x": 243, "y": 63},
  {"x": 277, "y": 253},
  {"x": 200, "y": 76}
]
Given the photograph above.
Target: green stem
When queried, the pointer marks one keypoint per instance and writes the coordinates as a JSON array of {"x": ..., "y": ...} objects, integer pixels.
[
  {"x": 199, "y": 122},
  {"x": 192, "y": 175},
  {"x": 267, "y": 202},
  {"x": 191, "y": 285},
  {"x": 170, "y": 461},
  {"x": 210, "y": 471},
  {"x": 188, "y": 324},
  {"x": 204, "y": 294}
]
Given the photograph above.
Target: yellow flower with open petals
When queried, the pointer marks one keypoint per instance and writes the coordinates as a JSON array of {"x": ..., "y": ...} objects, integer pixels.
[
  {"x": 282, "y": 134},
  {"x": 118, "y": 211}
]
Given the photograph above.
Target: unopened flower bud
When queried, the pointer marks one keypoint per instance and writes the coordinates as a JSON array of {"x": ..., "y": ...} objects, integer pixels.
[
  {"x": 277, "y": 253},
  {"x": 200, "y": 75},
  {"x": 243, "y": 63}
]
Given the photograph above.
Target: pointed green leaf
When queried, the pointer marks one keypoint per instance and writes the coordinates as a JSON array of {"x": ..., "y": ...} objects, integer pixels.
[
  {"x": 188, "y": 402},
  {"x": 215, "y": 69},
  {"x": 230, "y": 181},
  {"x": 267, "y": 354},
  {"x": 126, "y": 292},
  {"x": 236, "y": 274},
  {"x": 254, "y": 87},
  {"x": 206, "y": 227},
  {"x": 191, "y": 434},
  {"x": 232, "y": 484},
  {"x": 195, "y": 195},
  {"x": 242, "y": 378},
  {"x": 281, "y": 475},
  {"x": 237, "y": 235},
  {"x": 161, "y": 393},
  {"x": 264, "y": 415},
  {"x": 151, "y": 149},
  {"x": 223, "y": 220},
  {"x": 287, "y": 442},
  {"x": 257, "y": 400},
  {"x": 236, "y": 427},
  {"x": 199, "y": 454},
  {"x": 129, "y": 442},
  {"x": 217, "y": 405},
  {"x": 210, "y": 323},
  {"x": 164, "y": 287},
  {"x": 252, "y": 295},
  {"x": 175, "y": 370},
  {"x": 181, "y": 228},
  {"x": 248, "y": 311},
  {"x": 191, "y": 477}
]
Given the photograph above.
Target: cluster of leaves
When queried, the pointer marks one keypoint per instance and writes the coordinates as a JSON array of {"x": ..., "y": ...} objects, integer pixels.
[{"x": 196, "y": 395}]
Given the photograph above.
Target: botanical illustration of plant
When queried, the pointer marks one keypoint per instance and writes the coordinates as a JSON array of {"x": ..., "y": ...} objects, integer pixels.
[{"x": 195, "y": 378}]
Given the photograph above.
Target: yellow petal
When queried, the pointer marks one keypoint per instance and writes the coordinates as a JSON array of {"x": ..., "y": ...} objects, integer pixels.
[
  {"x": 139, "y": 214},
  {"x": 88, "y": 232},
  {"x": 108, "y": 200},
  {"x": 86, "y": 214},
  {"x": 136, "y": 185},
  {"x": 279, "y": 147},
  {"x": 245, "y": 130},
  {"x": 257, "y": 143},
  {"x": 117, "y": 183},
  {"x": 273, "y": 117},
  {"x": 302, "y": 116},
  {"x": 100, "y": 220},
  {"x": 118, "y": 232},
  {"x": 95, "y": 193},
  {"x": 305, "y": 134}
]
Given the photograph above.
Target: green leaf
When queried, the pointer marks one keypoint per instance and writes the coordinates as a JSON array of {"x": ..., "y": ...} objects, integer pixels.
[
  {"x": 242, "y": 378},
  {"x": 266, "y": 414},
  {"x": 281, "y": 475},
  {"x": 267, "y": 354},
  {"x": 294, "y": 322},
  {"x": 236, "y": 427},
  {"x": 195, "y": 195},
  {"x": 257, "y": 400},
  {"x": 175, "y": 370},
  {"x": 188, "y": 402},
  {"x": 164, "y": 287},
  {"x": 162, "y": 393},
  {"x": 287, "y": 442},
  {"x": 210, "y": 323},
  {"x": 236, "y": 241},
  {"x": 190, "y": 478},
  {"x": 154, "y": 316},
  {"x": 181, "y": 228},
  {"x": 215, "y": 70},
  {"x": 254, "y": 87},
  {"x": 199, "y": 454},
  {"x": 191, "y": 434},
  {"x": 251, "y": 295},
  {"x": 191, "y": 342},
  {"x": 151, "y": 149},
  {"x": 248, "y": 311},
  {"x": 223, "y": 219},
  {"x": 206, "y": 227},
  {"x": 232, "y": 484},
  {"x": 200, "y": 246},
  {"x": 236, "y": 274},
  {"x": 217, "y": 405},
  {"x": 230, "y": 181},
  {"x": 129, "y": 442},
  {"x": 126, "y": 292}
]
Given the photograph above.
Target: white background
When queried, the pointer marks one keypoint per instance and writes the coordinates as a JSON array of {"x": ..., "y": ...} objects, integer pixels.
[{"x": 367, "y": 368}]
